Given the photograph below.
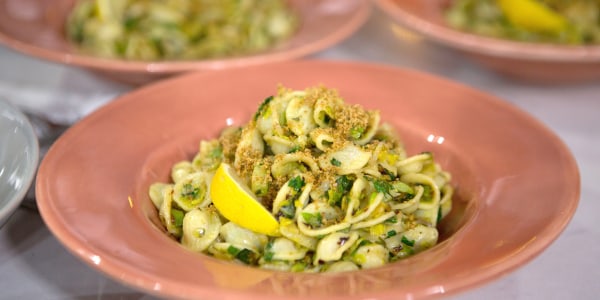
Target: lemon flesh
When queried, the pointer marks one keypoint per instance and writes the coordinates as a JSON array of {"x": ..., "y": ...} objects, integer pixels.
[
  {"x": 234, "y": 200},
  {"x": 533, "y": 15}
]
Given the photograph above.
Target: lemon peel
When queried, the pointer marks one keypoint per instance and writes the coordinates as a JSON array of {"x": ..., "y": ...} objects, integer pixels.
[
  {"x": 533, "y": 15},
  {"x": 234, "y": 200}
]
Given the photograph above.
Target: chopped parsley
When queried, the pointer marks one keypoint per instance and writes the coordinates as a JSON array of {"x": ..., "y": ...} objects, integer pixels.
[
  {"x": 314, "y": 220},
  {"x": 296, "y": 183},
  {"x": 217, "y": 152},
  {"x": 395, "y": 189},
  {"x": 296, "y": 148},
  {"x": 382, "y": 186},
  {"x": 356, "y": 132},
  {"x": 427, "y": 193},
  {"x": 336, "y": 162},
  {"x": 298, "y": 267},
  {"x": 407, "y": 242},
  {"x": 391, "y": 233},
  {"x": 263, "y": 107},
  {"x": 177, "y": 217},
  {"x": 188, "y": 191},
  {"x": 343, "y": 186},
  {"x": 288, "y": 210},
  {"x": 244, "y": 255},
  {"x": 402, "y": 187},
  {"x": 269, "y": 251},
  {"x": 344, "y": 183},
  {"x": 392, "y": 220}
]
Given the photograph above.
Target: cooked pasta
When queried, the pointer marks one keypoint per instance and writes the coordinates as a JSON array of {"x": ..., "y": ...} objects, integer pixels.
[
  {"x": 344, "y": 191},
  {"x": 178, "y": 29}
]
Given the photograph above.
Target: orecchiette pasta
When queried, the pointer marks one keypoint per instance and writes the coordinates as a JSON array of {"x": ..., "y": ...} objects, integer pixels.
[{"x": 344, "y": 191}]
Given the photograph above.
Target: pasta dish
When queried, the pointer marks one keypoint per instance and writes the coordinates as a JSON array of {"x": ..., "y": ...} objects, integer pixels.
[
  {"x": 342, "y": 191},
  {"x": 178, "y": 29},
  {"x": 573, "y": 22}
]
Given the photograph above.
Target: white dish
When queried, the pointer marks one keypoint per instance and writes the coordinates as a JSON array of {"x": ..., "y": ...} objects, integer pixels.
[{"x": 19, "y": 154}]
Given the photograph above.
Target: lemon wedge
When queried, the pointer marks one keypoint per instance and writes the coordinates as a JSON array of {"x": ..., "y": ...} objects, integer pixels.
[
  {"x": 234, "y": 200},
  {"x": 533, "y": 15}
]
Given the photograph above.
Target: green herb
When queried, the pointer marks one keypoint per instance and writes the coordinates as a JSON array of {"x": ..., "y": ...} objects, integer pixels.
[
  {"x": 382, "y": 186},
  {"x": 427, "y": 193},
  {"x": 288, "y": 210},
  {"x": 298, "y": 267},
  {"x": 233, "y": 250},
  {"x": 296, "y": 148},
  {"x": 439, "y": 215},
  {"x": 391, "y": 233},
  {"x": 177, "y": 217},
  {"x": 344, "y": 183},
  {"x": 120, "y": 47},
  {"x": 244, "y": 255},
  {"x": 343, "y": 186},
  {"x": 262, "y": 107},
  {"x": 336, "y": 162},
  {"x": 217, "y": 152},
  {"x": 363, "y": 243},
  {"x": 356, "y": 132},
  {"x": 269, "y": 251},
  {"x": 131, "y": 22},
  {"x": 314, "y": 220},
  {"x": 402, "y": 191},
  {"x": 407, "y": 242},
  {"x": 189, "y": 191},
  {"x": 402, "y": 187},
  {"x": 404, "y": 252},
  {"x": 388, "y": 173},
  {"x": 296, "y": 183},
  {"x": 392, "y": 220}
]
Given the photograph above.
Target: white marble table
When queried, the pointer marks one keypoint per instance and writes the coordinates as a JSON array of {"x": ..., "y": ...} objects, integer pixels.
[{"x": 34, "y": 265}]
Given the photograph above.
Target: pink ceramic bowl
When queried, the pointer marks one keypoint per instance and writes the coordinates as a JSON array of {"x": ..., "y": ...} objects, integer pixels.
[
  {"x": 36, "y": 28},
  {"x": 525, "y": 61},
  {"x": 92, "y": 187}
]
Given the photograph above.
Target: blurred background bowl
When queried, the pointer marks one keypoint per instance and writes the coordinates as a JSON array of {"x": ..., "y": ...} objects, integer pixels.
[
  {"x": 19, "y": 154},
  {"x": 535, "y": 62},
  {"x": 37, "y": 28}
]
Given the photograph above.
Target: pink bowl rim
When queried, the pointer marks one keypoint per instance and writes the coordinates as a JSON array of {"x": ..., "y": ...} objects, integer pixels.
[{"x": 486, "y": 45}]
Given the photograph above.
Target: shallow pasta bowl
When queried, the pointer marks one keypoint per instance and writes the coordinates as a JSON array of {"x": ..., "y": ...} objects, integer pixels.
[
  {"x": 19, "y": 152},
  {"x": 37, "y": 28},
  {"x": 534, "y": 62},
  {"x": 92, "y": 187}
]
